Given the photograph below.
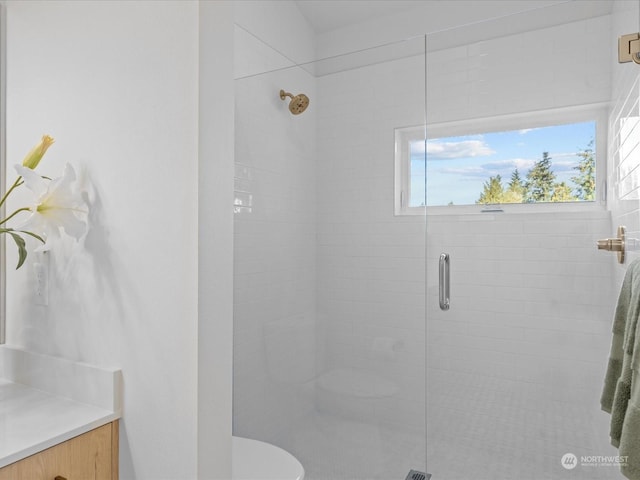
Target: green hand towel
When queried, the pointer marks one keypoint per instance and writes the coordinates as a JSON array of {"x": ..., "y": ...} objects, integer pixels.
[
  {"x": 630, "y": 441},
  {"x": 621, "y": 393}
]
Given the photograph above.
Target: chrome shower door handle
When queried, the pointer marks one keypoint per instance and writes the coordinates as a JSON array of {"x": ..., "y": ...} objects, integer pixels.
[{"x": 444, "y": 281}]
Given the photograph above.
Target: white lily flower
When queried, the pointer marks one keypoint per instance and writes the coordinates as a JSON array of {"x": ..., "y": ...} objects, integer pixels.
[{"x": 56, "y": 206}]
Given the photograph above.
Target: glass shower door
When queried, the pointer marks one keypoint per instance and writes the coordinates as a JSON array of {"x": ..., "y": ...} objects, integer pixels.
[
  {"x": 329, "y": 351},
  {"x": 516, "y": 172}
]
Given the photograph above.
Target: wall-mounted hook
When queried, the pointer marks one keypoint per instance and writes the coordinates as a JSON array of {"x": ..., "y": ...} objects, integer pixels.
[{"x": 629, "y": 48}]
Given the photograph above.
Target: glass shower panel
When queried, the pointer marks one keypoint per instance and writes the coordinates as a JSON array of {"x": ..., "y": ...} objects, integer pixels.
[
  {"x": 515, "y": 366},
  {"x": 329, "y": 351}
]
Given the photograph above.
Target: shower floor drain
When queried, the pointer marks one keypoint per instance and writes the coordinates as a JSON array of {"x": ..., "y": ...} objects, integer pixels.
[{"x": 416, "y": 475}]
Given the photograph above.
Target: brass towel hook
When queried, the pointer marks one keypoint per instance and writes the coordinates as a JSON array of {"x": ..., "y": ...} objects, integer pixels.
[
  {"x": 629, "y": 48},
  {"x": 615, "y": 244}
]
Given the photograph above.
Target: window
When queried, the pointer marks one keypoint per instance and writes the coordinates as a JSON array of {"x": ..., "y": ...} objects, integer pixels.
[{"x": 521, "y": 161}]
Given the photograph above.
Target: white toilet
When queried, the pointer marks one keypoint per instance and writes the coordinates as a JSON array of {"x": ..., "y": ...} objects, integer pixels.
[{"x": 255, "y": 460}]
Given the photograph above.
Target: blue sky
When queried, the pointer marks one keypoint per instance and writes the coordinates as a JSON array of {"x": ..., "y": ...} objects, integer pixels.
[{"x": 457, "y": 167}]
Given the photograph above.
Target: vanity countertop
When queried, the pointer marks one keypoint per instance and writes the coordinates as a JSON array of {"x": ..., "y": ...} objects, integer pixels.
[
  {"x": 47, "y": 400},
  {"x": 32, "y": 420}
]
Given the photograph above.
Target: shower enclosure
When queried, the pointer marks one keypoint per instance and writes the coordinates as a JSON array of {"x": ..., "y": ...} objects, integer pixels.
[{"x": 343, "y": 354}]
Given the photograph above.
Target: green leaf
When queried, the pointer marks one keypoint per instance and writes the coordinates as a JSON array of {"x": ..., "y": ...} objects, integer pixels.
[
  {"x": 22, "y": 250},
  {"x": 31, "y": 234}
]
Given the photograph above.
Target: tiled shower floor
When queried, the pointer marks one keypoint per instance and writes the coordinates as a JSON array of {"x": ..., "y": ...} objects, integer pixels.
[
  {"x": 490, "y": 428},
  {"x": 333, "y": 448},
  {"x": 478, "y": 429}
]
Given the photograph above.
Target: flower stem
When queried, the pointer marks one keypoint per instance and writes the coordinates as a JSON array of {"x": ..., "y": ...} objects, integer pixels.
[
  {"x": 23, "y": 209},
  {"x": 4, "y": 197}
]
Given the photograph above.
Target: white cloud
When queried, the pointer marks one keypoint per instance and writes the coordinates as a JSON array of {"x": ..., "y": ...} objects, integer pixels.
[
  {"x": 437, "y": 150},
  {"x": 504, "y": 168}
]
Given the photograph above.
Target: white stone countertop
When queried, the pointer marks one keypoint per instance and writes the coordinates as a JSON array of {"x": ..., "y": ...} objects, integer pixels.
[
  {"x": 46, "y": 400},
  {"x": 32, "y": 420}
]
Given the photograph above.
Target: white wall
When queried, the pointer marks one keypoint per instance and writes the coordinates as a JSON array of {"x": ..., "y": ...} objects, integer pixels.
[{"x": 116, "y": 83}]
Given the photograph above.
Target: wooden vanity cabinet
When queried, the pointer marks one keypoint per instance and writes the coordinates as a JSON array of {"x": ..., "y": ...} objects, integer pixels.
[{"x": 90, "y": 456}]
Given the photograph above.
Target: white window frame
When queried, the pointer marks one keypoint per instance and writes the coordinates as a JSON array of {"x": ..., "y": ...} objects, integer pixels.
[{"x": 542, "y": 118}]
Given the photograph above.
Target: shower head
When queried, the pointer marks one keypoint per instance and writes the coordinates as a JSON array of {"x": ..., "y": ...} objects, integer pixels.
[{"x": 298, "y": 104}]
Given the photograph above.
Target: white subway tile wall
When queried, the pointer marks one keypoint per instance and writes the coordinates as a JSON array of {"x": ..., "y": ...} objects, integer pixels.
[
  {"x": 624, "y": 137},
  {"x": 371, "y": 268},
  {"x": 543, "y": 69}
]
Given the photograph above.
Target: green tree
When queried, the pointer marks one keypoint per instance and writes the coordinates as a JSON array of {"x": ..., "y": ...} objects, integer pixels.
[
  {"x": 540, "y": 180},
  {"x": 562, "y": 193},
  {"x": 492, "y": 191},
  {"x": 516, "y": 189},
  {"x": 585, "y": 180}
]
